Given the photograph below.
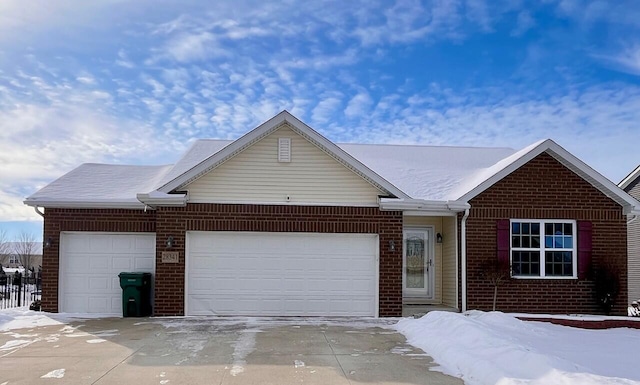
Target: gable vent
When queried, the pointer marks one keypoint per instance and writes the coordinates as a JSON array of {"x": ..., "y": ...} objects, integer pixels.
[{"x": 284, "y": 149}]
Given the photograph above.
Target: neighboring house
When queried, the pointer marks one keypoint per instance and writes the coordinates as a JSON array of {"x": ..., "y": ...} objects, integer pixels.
[
  {"x": 631, "y": 184},
  {"x": 284, "y": 222},
  {"x": 19, "y": 255}
]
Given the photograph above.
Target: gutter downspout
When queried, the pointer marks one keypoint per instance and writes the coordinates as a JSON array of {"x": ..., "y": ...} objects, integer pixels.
[
  {"x": 38, "y": 211},
  {"x": 463, "y": 257}
]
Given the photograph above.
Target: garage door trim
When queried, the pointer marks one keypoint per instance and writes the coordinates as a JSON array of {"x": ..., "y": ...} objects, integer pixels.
[{"x": 376, "y": 272}]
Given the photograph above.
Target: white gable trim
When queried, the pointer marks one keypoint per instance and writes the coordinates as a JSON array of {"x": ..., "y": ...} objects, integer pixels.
[
  {"x": 633, "y": 175},
  {"x": 570, "y": 161},
  {"x": 264, "y": 130}
]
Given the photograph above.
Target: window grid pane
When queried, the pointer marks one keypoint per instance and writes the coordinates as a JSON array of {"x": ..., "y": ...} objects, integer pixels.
[
  {"x": 526, "y": 263},
  {"x": 527, "y": 247},
  {"x": 559, "y": 263}
]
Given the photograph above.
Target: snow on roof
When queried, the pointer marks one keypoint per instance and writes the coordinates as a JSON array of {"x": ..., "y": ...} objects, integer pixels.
[
  {"x": 484, "y": 174},
  {"x": 101, "y": 184},
  {"x": 422, "y": 172},
  {"x": 427, "y": 172},
  {"x": 199, "y": 151}
]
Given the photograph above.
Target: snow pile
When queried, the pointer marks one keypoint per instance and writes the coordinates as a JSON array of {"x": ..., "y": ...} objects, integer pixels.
[
  {"x": 495, "y": 348},
  {"x": 22, "y": 318}
]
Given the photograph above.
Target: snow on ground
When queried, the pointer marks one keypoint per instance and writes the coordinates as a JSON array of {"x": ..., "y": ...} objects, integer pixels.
[
  {"x": 481, "y": 348},
  {"x": 23, "y": 318},
  {"x": 496, "y": 348}
]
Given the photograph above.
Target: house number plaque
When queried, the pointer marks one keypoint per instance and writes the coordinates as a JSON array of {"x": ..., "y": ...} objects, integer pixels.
[{"x": 170, "y": 256}]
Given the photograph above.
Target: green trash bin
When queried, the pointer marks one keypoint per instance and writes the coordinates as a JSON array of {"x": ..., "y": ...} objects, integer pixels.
[{"x": 136, "y": 294}]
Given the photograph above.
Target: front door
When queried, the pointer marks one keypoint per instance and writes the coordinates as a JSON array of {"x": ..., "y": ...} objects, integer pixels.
[{"x": 418, "y": 268}]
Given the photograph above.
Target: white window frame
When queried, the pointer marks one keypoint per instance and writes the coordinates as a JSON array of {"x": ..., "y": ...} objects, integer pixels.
[
  {"x": 14, "y": 259},
  {"x": 542, "y": 249}
]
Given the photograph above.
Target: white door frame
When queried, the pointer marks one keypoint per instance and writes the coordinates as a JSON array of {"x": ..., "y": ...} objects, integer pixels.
[
  {"x": 186, "y": 264},
  {"x": 429, "y": 249},
  {"x": 61, "y": 250}
]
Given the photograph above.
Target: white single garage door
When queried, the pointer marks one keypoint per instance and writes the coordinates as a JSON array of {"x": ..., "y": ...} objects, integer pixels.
[
  {"x": 90, "y": 264},
  {"x": 293, "y": 274}
]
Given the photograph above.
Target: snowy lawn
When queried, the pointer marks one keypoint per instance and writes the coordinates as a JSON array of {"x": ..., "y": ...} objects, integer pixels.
[{"x": 497, "y": 348}]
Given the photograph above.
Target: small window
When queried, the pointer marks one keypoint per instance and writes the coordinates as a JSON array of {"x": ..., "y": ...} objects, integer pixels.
[
  {"x": 14, "y": 259},
  {"x": 543, "y": 249}
]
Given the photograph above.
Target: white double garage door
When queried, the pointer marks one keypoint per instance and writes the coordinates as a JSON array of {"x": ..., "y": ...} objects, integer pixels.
[{"x": 231, "y": 273}]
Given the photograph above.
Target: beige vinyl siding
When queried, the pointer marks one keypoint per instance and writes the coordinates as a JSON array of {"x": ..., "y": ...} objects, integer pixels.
[
  {"x": 255, "y": 175},
  {"x": 436, "y": 223},
  {"x": 633, "y": 244},
  {"x": 449, "y": 281}
]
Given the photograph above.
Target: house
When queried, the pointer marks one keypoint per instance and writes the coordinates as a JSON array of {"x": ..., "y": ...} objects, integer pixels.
[
  {"x": 631, "y": 184},
  {"x": 284, "y": 222},
  {"x": 20, "y": 254}
]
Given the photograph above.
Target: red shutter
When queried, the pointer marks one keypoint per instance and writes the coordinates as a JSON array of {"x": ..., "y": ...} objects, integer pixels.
[
  {"x": 504, "y": 243},
  {"x": 584, "y": 248}
]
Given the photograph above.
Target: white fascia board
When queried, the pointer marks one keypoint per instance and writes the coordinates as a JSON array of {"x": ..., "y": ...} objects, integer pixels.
[
  {"x": 421, "y": 205},
  {"x": 96, "y": 204},
  {"x": 568, "y": 160},
  {"x": 155, "y": 199},
  {"x": 267, "y": 128},
  {"x": 633, "y": 175}
]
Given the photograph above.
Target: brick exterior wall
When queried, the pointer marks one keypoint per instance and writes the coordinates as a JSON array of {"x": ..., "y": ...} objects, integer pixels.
[
  {"x": 545, "y": 189},
  {"x": 172, "y": 221}
]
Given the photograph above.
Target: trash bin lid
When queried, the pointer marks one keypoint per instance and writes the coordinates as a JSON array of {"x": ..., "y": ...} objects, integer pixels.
[{"x": 133, "y": 274}]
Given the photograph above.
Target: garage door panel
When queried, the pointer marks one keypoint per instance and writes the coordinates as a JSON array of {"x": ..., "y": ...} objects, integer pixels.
[
  {"x": 100, "y": 243},
  {"x": 235, "y": 273},
  {"x": 89, "y": 268},
  {"x": 77, "y": 263},
  {"x": 122, "y": 243},
  {"x": 100, "y": 284},
  {"x": 120, "y": 262},
  {"x": 99, "y": 304},
  {"x": 143, "y": 264}
]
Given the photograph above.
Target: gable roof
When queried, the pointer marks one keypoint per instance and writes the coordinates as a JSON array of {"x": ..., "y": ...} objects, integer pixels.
[
  {"x": 426, "y": 177},
  {"x": 501, "y": 169},
  {"x": 232, "y": 149},
  {"x": 422, "y": 172},
  {"x": 633, "y": 175}
]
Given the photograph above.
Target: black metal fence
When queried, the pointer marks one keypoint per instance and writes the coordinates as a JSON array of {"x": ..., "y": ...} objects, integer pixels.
[{"x": 18, "y": 290}]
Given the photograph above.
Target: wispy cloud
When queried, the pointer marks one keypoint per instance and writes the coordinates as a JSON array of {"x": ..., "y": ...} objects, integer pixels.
[
  {"x": 524, "y": 23},
  {"x": 627, "y": 60},
  {"x": 53, "y": 126},
  {"x": 364, "y": 71}
]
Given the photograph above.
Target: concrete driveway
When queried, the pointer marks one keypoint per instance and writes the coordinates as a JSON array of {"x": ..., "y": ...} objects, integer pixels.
[{"x": 214, "y": 351}]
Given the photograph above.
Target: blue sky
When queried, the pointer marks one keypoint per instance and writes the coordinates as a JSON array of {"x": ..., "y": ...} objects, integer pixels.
[{"x": 135, "y": 82}]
